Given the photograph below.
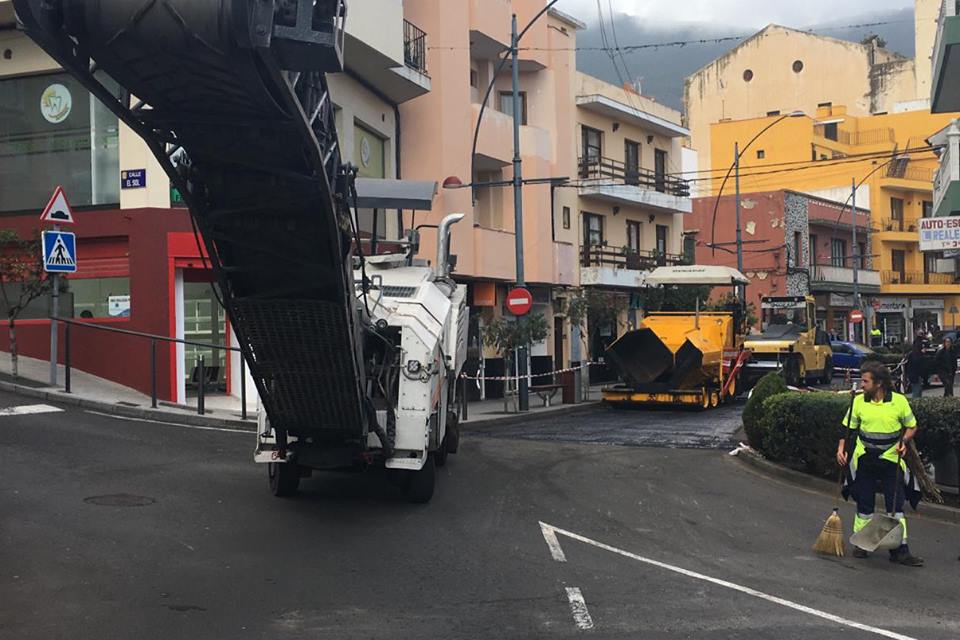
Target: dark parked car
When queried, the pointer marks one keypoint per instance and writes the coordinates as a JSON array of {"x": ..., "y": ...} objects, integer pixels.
[{"x": 849, "y": 355}]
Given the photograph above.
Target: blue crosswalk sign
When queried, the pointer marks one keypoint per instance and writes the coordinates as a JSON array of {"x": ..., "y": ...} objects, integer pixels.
[{"x": 59, "y": 252}]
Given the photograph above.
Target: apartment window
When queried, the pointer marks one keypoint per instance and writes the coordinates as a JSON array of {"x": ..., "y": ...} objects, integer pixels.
[
  {"x": 490, "y": 201},
  {"x": 797, "y": 249},
  {"x": 831, "y": 131},
  {"x": 813, "y": 249},
  {"x": 591, "y": 145},
  {"x": 898, "y": 263},
  {"x": 838, "y": 252},
  {"x": 930, "y": 264},
  {"x": 474, "y": 79},
  {"x": 631, "y": 161},
  {"x": 53, "y": 132},
  {"x": 566, "y": 217},
  {"x": 761, "y": 154},
  {"x": 861, "y": 255},
  {"x": 662, "y": 231},
  {"x": 633, "y": 236},
  {"x": 771, "y": 114},
  {"x": 660, "y": 169},
  {"x": 927, "y": 209},
  {"x": 896, "y": 214},
  {"x": 592, "y": 230},
  {"x": 506, "y": 105}
]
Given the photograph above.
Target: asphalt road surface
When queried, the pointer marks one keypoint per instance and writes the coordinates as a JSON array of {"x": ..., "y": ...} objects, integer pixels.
[{"x": 113, "y": 528}]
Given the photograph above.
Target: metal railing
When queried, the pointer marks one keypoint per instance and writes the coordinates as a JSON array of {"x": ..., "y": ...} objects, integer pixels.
[
  {"x": 600, "y": 256},
  {"x": 918, "y": 277},
  {"x": 857, "y": 138},
  {"x": 896, "y": 224},
  {"x": 598, "y": 168},
  {"x": 414, "y": 47},
  {"x": 154, "y": 339},
  {"x": 901, "y": 170}
]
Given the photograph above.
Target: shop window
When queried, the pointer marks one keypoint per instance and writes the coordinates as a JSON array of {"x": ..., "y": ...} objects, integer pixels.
[
  {"x": 100, "y": 297},
  {"x": 52, "y": 131}
]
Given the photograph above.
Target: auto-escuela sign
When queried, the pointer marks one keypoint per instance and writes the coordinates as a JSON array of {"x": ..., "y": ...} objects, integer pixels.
[{"x": 939, "y": 234}]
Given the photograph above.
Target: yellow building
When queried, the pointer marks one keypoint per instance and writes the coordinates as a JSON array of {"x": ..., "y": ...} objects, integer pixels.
[
  {"x": 780, "y": 69},
  {"x": 888, "y": 156}
]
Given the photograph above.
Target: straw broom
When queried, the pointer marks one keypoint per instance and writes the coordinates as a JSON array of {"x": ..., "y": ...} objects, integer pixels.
[{"x": 830, "y": 541}]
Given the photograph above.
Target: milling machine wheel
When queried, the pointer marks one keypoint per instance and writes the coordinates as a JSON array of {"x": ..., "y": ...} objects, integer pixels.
[{"x": 284, "y": 478}]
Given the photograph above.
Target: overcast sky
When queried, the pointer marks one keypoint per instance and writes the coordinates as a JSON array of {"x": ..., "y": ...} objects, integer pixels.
[{"x": 735, "y": 13}]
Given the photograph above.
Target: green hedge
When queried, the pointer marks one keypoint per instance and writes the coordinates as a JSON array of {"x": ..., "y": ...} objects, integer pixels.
[
  {"x": 801, "y": 430},
  {"x": 889, "y": 359},
  {"x": 769, "y": 385}
]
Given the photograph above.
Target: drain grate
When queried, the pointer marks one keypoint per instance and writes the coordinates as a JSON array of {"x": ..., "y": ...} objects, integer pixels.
[{"x": 120, "y": 500}]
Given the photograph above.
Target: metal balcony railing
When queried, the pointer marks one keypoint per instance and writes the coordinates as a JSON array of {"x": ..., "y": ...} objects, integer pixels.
[
  {"x": 601, "y": 256},
  {"x": 901, "y": 169},
  {"x": 918, "y": 277},
  {"x": 414, "y": 47},
  {"x": 857, "y": 138},
  {"x": 896, "y": 224},
  {"x": 610, "y": 170}
]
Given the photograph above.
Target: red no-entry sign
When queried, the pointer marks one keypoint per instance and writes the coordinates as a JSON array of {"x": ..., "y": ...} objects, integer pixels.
[
  {"x": 519, "y": 301},
  {"x": 856, "y": 316}
]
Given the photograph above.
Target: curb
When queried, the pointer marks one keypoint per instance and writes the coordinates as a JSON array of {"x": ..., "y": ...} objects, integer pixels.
[
  {"x": 143, "y": 413},
  {"x": 939, "y": 512},
  {"x": 517, "y": 418}
]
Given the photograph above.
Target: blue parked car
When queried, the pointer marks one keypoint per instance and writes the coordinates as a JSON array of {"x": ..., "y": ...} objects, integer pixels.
[{"x": 849, "y": 355}]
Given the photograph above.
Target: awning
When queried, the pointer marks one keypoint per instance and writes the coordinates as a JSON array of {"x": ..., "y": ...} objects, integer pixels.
[
  {"x": 696, "y": 275},
  {"x": 377, "y": 193}
]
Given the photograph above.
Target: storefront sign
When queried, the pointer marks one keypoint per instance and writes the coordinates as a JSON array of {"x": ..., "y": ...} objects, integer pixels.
[
  {"x": 892, "y": 305},
  {"x": 133, "y": 179},
  {"x": 118, "y": 306},
  {"x": 56, "y": 103},
  {"x": 838, "y": 300},
  {"x": 938, "y": 234},
  {"x": 927, "y": 304}
]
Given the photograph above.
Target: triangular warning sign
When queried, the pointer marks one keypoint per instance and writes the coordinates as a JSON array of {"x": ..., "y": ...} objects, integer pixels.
[
  {"x": 58, "y": 210},
  {"x": 60, "y": 255}
]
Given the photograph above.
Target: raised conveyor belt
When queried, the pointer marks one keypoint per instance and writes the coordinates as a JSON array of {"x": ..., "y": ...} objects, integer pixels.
[{"x": 239, "y": 86}]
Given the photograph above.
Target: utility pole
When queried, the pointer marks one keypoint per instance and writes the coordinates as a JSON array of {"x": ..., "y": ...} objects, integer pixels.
[
  {"x": 741, "y": 289},
  {"x": 523, "y": 389},
  {"x": 856, "y": 257}
]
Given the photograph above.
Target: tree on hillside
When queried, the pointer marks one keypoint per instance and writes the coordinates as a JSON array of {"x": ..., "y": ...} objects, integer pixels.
[{"x": 22, "y": 280}]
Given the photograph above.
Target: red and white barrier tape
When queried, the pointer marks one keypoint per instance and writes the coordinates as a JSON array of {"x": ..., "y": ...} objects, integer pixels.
[{"x": 531, "y": 375}]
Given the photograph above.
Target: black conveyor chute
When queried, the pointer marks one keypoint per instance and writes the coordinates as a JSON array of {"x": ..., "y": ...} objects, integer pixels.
[{"x": 231, "y": 97}]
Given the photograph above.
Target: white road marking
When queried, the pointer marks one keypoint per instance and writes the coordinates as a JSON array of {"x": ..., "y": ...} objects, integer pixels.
[
  {"x": 729, "y": 585},
  {"x": 578, "y": 607},
  {"x": 172, "y": 424},
  {"x": 550, "y": 536},
  {"x": 29, "y": 409}
]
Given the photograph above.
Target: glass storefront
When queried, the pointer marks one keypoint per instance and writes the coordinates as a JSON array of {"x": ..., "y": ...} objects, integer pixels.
[
  {"x": 52, "y": 131},
  {"x": 100, "y": 297},
  {"x": 204, "y": 320}
]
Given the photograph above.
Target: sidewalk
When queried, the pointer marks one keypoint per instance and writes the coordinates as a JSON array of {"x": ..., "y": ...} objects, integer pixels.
[
  {"x": 484, "y": 412},
  {"x": 99, "y": 394}
]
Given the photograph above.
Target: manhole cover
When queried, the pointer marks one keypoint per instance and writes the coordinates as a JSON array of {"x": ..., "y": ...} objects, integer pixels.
[{"x": 120, "y": 500}]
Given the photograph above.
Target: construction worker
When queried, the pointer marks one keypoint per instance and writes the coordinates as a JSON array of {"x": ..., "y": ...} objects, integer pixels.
[
  {"x": 876, "y": 337},
  {"x": 884, "y": 424}
]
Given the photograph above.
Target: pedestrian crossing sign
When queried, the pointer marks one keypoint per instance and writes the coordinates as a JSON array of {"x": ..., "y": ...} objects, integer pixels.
[{"x": 59, "y": 252}]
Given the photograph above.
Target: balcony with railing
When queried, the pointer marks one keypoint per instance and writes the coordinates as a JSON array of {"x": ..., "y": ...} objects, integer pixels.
[
  {"x": 836, "y": 278},
  {"x": 614, "y": 181},
  {"x": 918, "y": 278},
  {"x": 883, "y": 135},
  {"x": 944, "y": 88},
  {"x": 414, "y": 47},
  {"x": 903, "y": 175},
  {"x": 612, "y": 267},
  {"x": 896, "y": 229}
]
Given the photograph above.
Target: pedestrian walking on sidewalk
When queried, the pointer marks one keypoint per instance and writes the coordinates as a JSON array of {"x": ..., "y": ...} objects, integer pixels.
[
  {"x": 914, "y": 369},
  {"x": 884, "y": 425},
  {"x": 945, "y": 362}
]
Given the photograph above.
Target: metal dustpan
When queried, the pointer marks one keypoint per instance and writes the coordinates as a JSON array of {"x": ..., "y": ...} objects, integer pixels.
[{"x": 883, "y": 533}]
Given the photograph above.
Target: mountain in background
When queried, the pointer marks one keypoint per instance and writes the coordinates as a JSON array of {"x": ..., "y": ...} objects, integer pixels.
[{"x": 661, "y": 70}]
